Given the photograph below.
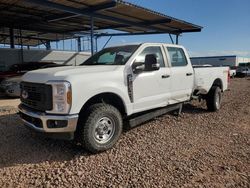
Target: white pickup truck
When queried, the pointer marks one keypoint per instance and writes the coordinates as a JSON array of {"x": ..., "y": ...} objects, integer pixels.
[{"x": 118, "y": 86}]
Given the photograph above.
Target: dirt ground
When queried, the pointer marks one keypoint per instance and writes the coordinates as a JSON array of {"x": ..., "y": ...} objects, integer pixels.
[
  {"x": 197, "y": 149},
  {"x": 8, "y": 102}
]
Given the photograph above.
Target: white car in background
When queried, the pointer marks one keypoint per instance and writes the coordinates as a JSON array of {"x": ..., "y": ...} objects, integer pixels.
[
  {"x": 11, "y": 85},
  {"x": 243, "y": 71}
]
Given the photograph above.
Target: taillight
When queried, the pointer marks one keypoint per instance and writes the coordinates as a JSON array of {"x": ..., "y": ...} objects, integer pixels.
[{"x": 228, "y": 75}]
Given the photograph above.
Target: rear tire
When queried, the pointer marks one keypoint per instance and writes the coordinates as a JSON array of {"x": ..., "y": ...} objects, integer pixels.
[
  {"x": 101, "y": 127},
  {"x": 213, "y": 99}
]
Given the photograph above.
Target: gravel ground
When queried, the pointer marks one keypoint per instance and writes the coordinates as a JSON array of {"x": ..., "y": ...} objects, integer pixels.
[
  {"x": 8, "y": 101},
  {"x": 197, "y": 149}
]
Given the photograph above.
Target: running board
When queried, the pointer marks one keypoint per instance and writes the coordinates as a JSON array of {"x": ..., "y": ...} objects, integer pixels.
[{"x": 141, "y": 118}]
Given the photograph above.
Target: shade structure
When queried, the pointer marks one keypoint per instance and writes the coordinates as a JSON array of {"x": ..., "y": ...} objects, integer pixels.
[{"x": 52, "y": 20}]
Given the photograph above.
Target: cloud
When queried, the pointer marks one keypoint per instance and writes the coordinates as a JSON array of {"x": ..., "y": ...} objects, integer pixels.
[{"x": 219, "y": 53}]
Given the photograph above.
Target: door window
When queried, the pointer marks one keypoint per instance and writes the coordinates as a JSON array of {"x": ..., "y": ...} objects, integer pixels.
[
  {"x": 151, "y": 50},
  {"x": 177, "y": 57}
]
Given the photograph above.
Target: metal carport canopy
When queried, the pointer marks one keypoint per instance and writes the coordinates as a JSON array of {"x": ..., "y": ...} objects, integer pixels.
[{"x": 44, "y": 17}]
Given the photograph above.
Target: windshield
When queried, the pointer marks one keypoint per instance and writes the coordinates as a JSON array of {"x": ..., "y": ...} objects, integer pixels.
[{"x": 112, "y": 56}]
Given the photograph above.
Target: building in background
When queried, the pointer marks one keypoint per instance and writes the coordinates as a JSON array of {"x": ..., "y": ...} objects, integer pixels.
[{"x": 17, "y": 56}]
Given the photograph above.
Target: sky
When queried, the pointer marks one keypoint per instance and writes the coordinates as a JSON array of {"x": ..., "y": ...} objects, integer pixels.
[{"x": 226, "y": 26}]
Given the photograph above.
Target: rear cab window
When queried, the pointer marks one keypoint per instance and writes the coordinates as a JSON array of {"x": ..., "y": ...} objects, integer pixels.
[{"x": 177, "y": 57}]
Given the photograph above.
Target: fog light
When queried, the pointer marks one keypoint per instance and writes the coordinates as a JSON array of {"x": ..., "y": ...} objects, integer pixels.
[{"x": 57, "y": 123}]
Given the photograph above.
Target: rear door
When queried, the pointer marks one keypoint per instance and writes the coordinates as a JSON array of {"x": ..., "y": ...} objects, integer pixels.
[
  {"x": 182, "y": 75},
  {"x": 151, "y": 89}
]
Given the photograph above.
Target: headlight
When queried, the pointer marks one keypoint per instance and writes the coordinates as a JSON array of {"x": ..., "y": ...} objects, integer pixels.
[{"x": 61, "y": 96}]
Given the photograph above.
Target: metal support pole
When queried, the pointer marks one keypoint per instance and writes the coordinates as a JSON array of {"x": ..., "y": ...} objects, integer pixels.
[
  {"x": 92, "y": 34},
  {"x": 71, "y": 45},
  {"x": 96, "y": 48},
  {"x": 171, "y": 38},
  {"x": 79, "y": 43},
  {"x": 177, "y": 39},
  {"x": 21, "y": 42},
  {"x": 107, "y": 42},
  {"x": 48, "y": 46},
  {"x": 83, "y": 46},
  {"x": 63, "y": 42},
  {"x": 56, "y": 42},
  {"x": 12, "y": 40}
]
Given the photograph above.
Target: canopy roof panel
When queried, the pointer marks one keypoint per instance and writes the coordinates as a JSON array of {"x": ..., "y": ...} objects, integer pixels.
[{"x": 67, "y": 17}]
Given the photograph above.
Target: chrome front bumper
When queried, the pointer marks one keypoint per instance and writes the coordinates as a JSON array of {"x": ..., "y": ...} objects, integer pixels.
[{"x": 44, "y": 118}]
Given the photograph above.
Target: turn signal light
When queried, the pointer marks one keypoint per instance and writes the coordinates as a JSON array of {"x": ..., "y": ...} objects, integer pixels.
[{"x": 69, "y": 97}]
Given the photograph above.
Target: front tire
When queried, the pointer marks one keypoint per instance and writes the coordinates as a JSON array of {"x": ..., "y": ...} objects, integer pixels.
[
  {"x": 101, "y": 128},
  {"x": 213, "y": 99}
]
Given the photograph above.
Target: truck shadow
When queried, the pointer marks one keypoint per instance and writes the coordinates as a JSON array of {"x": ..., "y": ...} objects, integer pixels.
[
  {"x": 188, "y": 108},
  {"x": 193, "y": 109},
  {"x": 19, "y": 145}
]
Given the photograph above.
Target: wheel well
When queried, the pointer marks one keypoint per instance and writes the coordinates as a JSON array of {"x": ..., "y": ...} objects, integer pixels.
[
  {"x": 218, "y": 83},
  {"x": 109, "y": 98}
]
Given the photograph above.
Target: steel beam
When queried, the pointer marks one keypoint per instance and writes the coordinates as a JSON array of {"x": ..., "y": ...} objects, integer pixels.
[
  {"x": 91, "y": 13},
  {"x": 148, "y": 23},
  {"x": 127, "y": 34},
  {"x": 26, "y": 37},
  {"x": 124, "y": 26},
  {"x": 102, "y": 6},
  {"x": 190, "y": 30},
  {"x": 162, "y": 21}
]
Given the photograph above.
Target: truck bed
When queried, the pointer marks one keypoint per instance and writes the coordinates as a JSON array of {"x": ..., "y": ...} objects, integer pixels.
[{"x": 205, "y": 77}]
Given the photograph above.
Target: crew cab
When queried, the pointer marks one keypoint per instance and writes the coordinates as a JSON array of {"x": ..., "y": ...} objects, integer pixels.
[{"x": 118, "y": 86}]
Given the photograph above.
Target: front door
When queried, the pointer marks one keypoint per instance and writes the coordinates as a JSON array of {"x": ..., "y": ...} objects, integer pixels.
[{"x": 151, "y": 89}]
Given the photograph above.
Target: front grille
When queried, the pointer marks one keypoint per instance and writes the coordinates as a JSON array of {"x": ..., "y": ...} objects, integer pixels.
[{"x": 36, "y": 96}]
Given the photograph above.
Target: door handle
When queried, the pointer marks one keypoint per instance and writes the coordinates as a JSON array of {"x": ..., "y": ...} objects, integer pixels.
[
  {"x": 165, "y": 76},
  {"x": 189, "y": 74}
]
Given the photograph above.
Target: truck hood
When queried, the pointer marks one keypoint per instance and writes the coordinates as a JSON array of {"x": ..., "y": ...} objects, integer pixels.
[{"x": 63, "y": 73}]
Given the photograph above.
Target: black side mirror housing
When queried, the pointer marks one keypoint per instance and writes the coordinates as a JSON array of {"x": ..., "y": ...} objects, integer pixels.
[{"x": 151, "y": 63}]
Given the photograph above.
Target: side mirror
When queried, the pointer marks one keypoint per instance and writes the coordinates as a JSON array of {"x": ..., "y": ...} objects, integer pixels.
[
  {"x": 138, "y": 67},
  {"x": 151, "y": 63}
]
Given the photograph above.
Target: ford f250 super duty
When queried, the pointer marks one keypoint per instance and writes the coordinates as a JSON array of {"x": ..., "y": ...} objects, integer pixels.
[{"x": 118, "y": 86}]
